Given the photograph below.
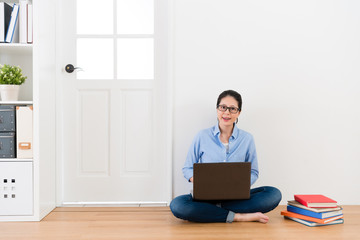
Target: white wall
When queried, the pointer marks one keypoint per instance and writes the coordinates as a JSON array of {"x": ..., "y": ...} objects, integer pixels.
[{"x": 297, "y": 66}]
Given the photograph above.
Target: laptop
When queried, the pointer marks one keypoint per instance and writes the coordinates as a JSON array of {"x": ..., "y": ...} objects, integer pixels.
[{"x": 222, "y": 181}]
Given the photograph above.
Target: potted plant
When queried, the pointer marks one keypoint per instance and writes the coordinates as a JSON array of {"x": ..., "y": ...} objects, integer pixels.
[{"x": 11, "y": 78}]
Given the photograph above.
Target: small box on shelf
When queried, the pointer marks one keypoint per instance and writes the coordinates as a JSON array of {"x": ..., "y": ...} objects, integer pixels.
[
  {"x": 16, "y": 127},
  {"x": 7, "y": 131},
  {"x": 24, "y": 132},
  {"x": 7, "y": 145}
]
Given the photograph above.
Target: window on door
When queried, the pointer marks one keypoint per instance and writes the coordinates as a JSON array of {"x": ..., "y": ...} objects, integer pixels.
[{"x": 120, "y": 35}]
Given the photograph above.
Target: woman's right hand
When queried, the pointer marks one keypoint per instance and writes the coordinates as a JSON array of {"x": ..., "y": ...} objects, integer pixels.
[{"x": 191, "y": 179}]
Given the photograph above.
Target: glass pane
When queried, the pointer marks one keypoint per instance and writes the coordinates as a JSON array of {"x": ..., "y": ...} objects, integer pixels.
[
  {"x": 96, "y": 58},
  {"x": 135, "y": 58},
  {"x": 95, "y": 17},
  {"x": 135, "y": 16}
]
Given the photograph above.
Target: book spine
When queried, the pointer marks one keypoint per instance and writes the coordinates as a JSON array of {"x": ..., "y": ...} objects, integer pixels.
[
  {"x": 12, "y": 25},
  {"x": 23, "y": 21},
  {"x": 2, "y": 22},
  {"x": 7, "y": 17},
  {"x": 29, "y": 23}
]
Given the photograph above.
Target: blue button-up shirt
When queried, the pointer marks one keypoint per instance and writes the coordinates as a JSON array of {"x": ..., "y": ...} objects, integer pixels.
[{"x": 207, "y": 148}]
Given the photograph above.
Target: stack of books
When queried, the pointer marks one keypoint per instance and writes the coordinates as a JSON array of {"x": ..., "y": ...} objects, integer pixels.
[{"x": 314, "y": 210}]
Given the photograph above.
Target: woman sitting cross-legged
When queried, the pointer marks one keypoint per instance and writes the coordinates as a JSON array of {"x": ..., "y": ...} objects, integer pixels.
[{"x": 225, "y": 141}]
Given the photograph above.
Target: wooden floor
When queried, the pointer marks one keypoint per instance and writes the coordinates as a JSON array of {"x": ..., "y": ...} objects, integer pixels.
[{"x": 159, "y": 223}]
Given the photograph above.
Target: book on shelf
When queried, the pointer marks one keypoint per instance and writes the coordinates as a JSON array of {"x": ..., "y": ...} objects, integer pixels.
[
  {"x": 314, "y": 224},
  {"x": 318, "y": 210},
  {"x": 315, "y": 200},
  {"x": 12, "y": 31},
  {"x": 29, "y": 23},
  {"x": 23, "y": 21},
  {"x": 5, "y": 16},
  {"x": 311, "y": 219},
  {"x": 320, "y": 215}
]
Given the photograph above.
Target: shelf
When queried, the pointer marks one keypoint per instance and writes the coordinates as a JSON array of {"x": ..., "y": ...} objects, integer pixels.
[
  {"x": 16, "y": 48},
  {"x": 16, "y": 45},
  {"x": 16, "y": 103},
  {"x": 16, "y": 159}
]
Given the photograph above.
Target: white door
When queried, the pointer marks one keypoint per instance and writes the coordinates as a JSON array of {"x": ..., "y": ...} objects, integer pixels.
[{"x": 113, "y": 113}]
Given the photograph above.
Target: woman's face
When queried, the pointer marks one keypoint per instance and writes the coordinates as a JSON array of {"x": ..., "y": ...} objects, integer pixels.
[{"x": 227, "y": 118}]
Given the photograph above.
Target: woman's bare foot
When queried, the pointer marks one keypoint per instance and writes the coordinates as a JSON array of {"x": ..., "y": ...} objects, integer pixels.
[{"x": 251, "y": 217}]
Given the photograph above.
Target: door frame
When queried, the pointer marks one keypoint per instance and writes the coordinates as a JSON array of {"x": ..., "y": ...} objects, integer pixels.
[{"x": 60, "y": 69}]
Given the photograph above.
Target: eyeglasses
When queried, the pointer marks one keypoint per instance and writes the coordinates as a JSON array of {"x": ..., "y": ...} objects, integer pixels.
[{"x": 223, "y": 108}]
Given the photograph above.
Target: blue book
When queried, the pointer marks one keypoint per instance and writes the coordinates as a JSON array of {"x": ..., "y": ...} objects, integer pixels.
[
  {"x": 320, "y": 215},
  {"x": 12, "y": 25}
]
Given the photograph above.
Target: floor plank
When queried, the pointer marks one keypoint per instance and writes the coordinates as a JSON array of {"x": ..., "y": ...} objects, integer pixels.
[{"x": 158, "y": 223}]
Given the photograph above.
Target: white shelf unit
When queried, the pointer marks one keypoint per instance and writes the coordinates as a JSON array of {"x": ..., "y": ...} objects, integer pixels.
[{"x": 37, "y": 61}]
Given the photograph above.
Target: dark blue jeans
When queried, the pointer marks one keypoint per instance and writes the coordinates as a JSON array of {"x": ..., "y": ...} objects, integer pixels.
[{"x": 262, "y": 199}]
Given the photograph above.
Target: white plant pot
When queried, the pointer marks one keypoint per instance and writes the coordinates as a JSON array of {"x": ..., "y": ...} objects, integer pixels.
[{"x": 9, "y": 92}]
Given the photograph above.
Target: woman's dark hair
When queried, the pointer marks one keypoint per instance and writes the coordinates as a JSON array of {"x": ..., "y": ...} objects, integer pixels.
[{"x": 231, "y": 93}]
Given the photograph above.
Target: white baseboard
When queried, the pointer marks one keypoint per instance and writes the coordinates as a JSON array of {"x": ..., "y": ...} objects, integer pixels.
[{"x": 114, "y": 204}]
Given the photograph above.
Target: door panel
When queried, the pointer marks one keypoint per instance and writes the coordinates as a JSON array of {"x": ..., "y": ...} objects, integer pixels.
[
  {"x": 138, "y": 130},
  {"x": 94, "y": 106}
]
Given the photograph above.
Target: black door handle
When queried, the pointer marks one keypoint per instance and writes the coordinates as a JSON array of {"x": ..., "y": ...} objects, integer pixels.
[{"x": 70, "y": 68}]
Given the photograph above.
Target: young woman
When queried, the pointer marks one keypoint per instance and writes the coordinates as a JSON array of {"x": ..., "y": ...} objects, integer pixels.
[{"x": 225, "y": 142}]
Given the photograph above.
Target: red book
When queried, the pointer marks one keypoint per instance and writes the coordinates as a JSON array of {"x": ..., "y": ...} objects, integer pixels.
[{"x": 315, "y": 200}]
